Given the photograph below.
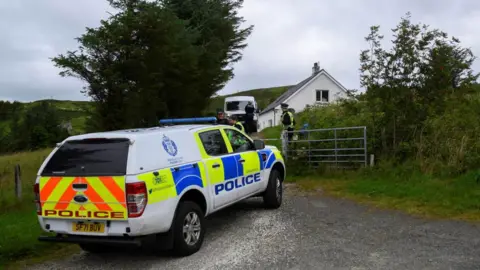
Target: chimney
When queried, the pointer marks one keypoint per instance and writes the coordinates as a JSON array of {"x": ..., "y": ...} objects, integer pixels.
[{"x": 315, "y": 68}]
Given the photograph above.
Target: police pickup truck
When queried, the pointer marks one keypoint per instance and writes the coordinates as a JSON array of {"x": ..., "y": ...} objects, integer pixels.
[{"x": 152, "y": 186}]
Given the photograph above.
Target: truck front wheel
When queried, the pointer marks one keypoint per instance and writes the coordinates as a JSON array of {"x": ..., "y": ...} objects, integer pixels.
[{"x": 273, "y": 196}]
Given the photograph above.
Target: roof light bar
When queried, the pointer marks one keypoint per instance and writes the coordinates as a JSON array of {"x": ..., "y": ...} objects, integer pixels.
[{"x": 196, "y": 120}]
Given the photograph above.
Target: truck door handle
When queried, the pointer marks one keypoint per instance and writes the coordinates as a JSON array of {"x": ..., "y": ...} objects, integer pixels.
[
  {"x": 216, "y": 165},
  {"x": 241, "y": 160}
]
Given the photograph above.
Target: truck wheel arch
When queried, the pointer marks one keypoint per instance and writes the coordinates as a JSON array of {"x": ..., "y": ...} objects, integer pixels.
[
  {"x": 280, "y": 168},
  {"x": 196, "y": 196}
]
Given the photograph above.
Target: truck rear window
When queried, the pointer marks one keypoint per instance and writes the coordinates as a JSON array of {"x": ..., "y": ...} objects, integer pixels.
[{"x": 91, "y": 157}]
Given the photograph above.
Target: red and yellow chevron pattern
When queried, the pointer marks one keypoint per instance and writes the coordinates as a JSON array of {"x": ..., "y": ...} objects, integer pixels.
[{"x": 106, "y": 197}]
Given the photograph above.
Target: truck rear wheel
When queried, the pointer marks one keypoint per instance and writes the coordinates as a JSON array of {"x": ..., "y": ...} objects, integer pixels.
[{"x": 189, "y": 229}]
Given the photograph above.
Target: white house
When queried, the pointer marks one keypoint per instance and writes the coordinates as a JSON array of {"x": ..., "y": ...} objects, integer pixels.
[{"x": 319, "y": 88}]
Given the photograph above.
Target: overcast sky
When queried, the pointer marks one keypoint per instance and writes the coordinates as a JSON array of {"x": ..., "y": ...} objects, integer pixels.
[{"x": 288, "y": 37}]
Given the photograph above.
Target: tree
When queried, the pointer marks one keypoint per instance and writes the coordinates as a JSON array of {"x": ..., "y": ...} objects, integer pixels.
[
  {"x": 149, "y": 61},
  {"x": 220, "y": 38},
  {"x": 409, "y": 82},
  {"x": 8, "y": 109},
  {"x": 38, "y": 127}
]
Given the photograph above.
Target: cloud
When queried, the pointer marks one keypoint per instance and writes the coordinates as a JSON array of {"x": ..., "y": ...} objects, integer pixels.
[
  {"x": 288, "y": 37},
  {"x": 32, "y": 33}
]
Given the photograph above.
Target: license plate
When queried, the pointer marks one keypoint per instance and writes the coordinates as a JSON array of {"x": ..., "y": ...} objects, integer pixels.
[{"x": 88, "y": 227}]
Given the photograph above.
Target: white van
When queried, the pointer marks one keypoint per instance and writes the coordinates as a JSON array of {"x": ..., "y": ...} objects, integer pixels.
[{"x": 236, "y": 106}]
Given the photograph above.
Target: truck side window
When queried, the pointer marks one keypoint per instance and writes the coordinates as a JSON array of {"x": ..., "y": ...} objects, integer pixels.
[
  {"x": 213, "y": 143},
  {"x": 239, "y": 142}
]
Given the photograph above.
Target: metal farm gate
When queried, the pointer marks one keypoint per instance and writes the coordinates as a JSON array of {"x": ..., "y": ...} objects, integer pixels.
[{"x": 344, "y": 147}]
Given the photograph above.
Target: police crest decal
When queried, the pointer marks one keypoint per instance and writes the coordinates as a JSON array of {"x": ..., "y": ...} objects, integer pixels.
[
  {"x": 169, "y": 146},
  {"x": 157, "y": 180}
]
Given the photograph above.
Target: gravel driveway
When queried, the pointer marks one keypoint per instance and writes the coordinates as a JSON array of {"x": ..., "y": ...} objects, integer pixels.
[{"x": 310, "y": 232}]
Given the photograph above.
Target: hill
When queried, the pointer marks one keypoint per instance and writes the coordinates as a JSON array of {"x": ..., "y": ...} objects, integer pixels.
[{"x": 76, "y": 112}]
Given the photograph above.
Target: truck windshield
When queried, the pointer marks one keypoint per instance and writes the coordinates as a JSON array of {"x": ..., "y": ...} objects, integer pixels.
[
  {"x": 236, "y": 105},
  {"x": 94, "y": 157}
]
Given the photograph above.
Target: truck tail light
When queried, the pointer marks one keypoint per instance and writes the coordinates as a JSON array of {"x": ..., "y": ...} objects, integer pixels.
[
  {"x": 38, "y": 205},
  {"x": 137, "y": 198}
]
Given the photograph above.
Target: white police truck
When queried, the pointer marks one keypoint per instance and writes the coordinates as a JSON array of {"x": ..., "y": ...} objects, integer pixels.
[{"x": 152, "y": 186}]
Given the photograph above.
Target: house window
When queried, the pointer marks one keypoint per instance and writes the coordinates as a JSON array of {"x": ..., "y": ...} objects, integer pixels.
[
  {"x": 270, "y": 123},
  {"x": 321, "y": 96}
]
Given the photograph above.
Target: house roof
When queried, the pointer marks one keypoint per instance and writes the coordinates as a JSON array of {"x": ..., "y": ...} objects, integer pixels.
[{"x": 292, "y": 90}]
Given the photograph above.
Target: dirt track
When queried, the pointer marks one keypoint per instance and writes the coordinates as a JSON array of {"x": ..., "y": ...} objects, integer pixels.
[{"x": 310, "y": 232}]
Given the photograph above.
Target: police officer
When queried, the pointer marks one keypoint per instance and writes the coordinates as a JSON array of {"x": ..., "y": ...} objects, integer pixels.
[
  {"x": 236, "y": 140},
  {"x": 288, "y": 120},
  {"x": 221, "y": 120},
  {"x": 234, "y": 122},
  {"x": 249, "y": 112}
]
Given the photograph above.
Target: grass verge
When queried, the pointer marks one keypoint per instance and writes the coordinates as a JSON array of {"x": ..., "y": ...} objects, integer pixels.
[
  {"x": 400, "y": 189},
  {"x": 19, "y": 246},
  {"x": 272, "y": 134},
  {"x": 18, "y": 221}
]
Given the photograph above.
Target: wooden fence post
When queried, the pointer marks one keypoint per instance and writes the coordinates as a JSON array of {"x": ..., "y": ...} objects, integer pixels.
[
  {"x": 18, "y": 182},
  {"x": 372, "y": 160}
]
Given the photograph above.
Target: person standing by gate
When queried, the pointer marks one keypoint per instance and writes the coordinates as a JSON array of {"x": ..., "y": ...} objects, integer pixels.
[{"x": 288, "y": 120}]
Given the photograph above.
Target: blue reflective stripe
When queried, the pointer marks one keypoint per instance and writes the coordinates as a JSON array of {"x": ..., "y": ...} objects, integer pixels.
[
  {"x": 270, "y": 160},
  {"x": 239, "y": 165},
  {"x": 230, "y": 164},
  {"x": 185, "y": 176},
  {"x": 262, "y": 163}
]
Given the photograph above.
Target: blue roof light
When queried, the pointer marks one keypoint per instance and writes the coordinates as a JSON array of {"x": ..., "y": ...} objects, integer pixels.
[{"x": 196, "y": 120}]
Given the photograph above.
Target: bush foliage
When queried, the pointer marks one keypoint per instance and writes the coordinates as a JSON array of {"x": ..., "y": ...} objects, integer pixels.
[{"x": 27, "y": 128}]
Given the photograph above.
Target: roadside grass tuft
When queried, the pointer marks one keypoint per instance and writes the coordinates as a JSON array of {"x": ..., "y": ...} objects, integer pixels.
[
  {"x": 405, "y": 189},
  {"x": 19, "y": 246}
]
